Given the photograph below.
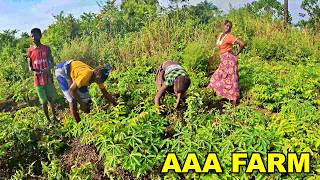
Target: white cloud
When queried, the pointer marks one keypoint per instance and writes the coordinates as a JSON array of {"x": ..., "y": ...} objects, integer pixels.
[
  {"x": 53, "y": 6},
  {"x": 224, "y": 4},
  {"x": 23, "y": 15},
  {"x": 40, "y": 14}
]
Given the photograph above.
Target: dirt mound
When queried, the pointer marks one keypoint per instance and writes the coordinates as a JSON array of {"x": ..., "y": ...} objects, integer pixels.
[
  {"x": 79, "y": 154},
  {"x": 123, "y": 174},
  {"x": 8, "y": 106}
]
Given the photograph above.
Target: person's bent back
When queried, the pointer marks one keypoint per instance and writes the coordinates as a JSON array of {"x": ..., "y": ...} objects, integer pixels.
[
  {"x": 74, "y": 78},
  {"x": 171, "y": 77}
]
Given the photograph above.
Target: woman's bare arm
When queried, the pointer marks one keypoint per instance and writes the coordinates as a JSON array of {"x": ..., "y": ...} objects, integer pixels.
[
  {"x": 242, "y": 46},
  {"x": 107, "y": 96},
  {"x": 159, "y": 94}
]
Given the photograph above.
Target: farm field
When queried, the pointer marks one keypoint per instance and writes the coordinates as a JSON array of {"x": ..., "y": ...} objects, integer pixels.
[{"x": 278, "y": 111}]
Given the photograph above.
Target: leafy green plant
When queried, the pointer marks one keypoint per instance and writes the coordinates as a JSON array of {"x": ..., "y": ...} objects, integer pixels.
[{"x": 195, "y": 57}]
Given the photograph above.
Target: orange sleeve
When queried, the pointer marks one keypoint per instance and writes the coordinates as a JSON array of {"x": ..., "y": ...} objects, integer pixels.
[{"x": 231, "y": 39}]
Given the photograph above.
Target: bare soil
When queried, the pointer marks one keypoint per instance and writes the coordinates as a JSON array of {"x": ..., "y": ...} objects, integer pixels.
[{"x": 79, "y": 154}]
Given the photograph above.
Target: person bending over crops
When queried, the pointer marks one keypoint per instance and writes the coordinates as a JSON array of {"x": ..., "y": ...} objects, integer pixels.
[
  {"x": 225, "y": 80},
  {"x": 171, "y": 77},
  {"x": 74, "y": 77},
  {"x": 40, "y": 62}
]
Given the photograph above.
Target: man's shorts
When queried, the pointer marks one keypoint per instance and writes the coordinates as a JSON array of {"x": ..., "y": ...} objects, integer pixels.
[{"x": 46, "y": 93}]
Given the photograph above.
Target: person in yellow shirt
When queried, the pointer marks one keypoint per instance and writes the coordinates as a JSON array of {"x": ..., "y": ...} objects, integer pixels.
[{"x": 74, "y": 77}]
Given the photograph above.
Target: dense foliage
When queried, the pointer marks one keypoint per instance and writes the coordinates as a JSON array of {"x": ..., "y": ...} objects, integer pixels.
[{"x": 278, "y": 111}]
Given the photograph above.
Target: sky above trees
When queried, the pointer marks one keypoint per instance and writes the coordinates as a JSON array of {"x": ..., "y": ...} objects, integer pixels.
[{"x": 26, "y": 14}]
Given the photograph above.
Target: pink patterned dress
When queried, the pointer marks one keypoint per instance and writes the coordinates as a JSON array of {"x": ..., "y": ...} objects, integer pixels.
[{"x": 225, "y": 80}]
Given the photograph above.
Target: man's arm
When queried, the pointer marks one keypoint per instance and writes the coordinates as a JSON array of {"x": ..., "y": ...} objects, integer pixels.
[
  {"x": 159, "y": 94},
  {"x": 73, "y": 92},
  {"x": 50, "y": 59},
  {"x": 108, "y": 97},
  {"x": 74, "y": 110},
  {"x": 30, "y": 65},
  {"x": 159, "y": 78}
]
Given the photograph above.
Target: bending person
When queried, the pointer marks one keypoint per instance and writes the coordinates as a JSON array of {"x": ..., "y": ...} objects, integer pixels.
[
  {"x": 74, "y": 77},
  {"x": 225, "y": 80},
  {"x": 171, "y": 77}
]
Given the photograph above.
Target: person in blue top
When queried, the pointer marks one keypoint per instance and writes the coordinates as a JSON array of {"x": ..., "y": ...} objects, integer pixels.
[{"x": 74, "y": 78}]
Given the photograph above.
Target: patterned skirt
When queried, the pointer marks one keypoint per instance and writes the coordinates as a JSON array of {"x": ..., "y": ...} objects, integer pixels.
[{"x": 225, "y": 80}]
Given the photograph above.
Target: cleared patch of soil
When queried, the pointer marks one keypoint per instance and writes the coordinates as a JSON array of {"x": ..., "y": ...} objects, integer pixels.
[
  {"x": 79, "y": 154},
  {"x": 8, "y": 106}
]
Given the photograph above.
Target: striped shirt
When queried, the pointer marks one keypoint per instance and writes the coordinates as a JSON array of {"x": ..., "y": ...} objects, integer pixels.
[{"x": 39, "y": 57}]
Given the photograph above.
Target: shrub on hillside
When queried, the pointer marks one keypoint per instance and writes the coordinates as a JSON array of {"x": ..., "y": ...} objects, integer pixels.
[
  {"x": 195, "y": 57},
  {"x": 84, "y": 49}
]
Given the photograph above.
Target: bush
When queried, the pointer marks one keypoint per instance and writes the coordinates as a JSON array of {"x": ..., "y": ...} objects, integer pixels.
[
  {"x": 195, "y": 57},
  {"x": 84, "y": 49}
]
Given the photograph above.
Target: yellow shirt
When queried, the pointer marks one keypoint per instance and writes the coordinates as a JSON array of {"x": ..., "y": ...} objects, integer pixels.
[{"x": 80, "y": 73}]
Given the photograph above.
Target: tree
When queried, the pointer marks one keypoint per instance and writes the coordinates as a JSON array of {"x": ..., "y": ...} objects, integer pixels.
[
  {"x": 177, "y": 2},
  {"x": 205, "y": 11},
  {"x": 88, "y": 25},
  {"x": 312, "y": 7},
  {"x": 270, "y": 7},
  {"x": 138, "y": 12},
  {"x": 7, "y": 37},
  {"x": 110, "y": 18},
  {"x": 64, "y": 29},
  {"x": 286, "y": 13}
]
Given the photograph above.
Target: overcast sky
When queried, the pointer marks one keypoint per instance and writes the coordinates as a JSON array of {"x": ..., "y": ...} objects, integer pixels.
[{"x": 23, "y": 15}]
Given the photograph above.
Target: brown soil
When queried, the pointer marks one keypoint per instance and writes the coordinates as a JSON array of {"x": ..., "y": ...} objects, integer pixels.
[
  {"x": 79, "y": 154},
  {"x": 153, "y": 174},
  {"x": 8, "y": 106},
  {"x": 264, "y": 111},
  {"x": 123, "y": 174},
  {"x": 169, "y": 131}
]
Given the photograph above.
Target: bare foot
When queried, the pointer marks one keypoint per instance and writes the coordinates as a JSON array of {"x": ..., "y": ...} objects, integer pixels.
[{"x": 234, "y": 102}]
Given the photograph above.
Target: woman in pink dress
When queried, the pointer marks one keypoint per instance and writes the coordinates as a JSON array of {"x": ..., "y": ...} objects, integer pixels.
[{"x": 225, "y": 80}]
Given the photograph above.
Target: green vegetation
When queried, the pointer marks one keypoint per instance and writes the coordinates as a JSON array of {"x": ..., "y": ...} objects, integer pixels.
[{"x": 279, "y": 107}]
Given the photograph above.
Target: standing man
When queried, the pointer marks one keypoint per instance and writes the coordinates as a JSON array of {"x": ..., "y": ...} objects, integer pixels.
[{"x": 40, "y": 62}]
